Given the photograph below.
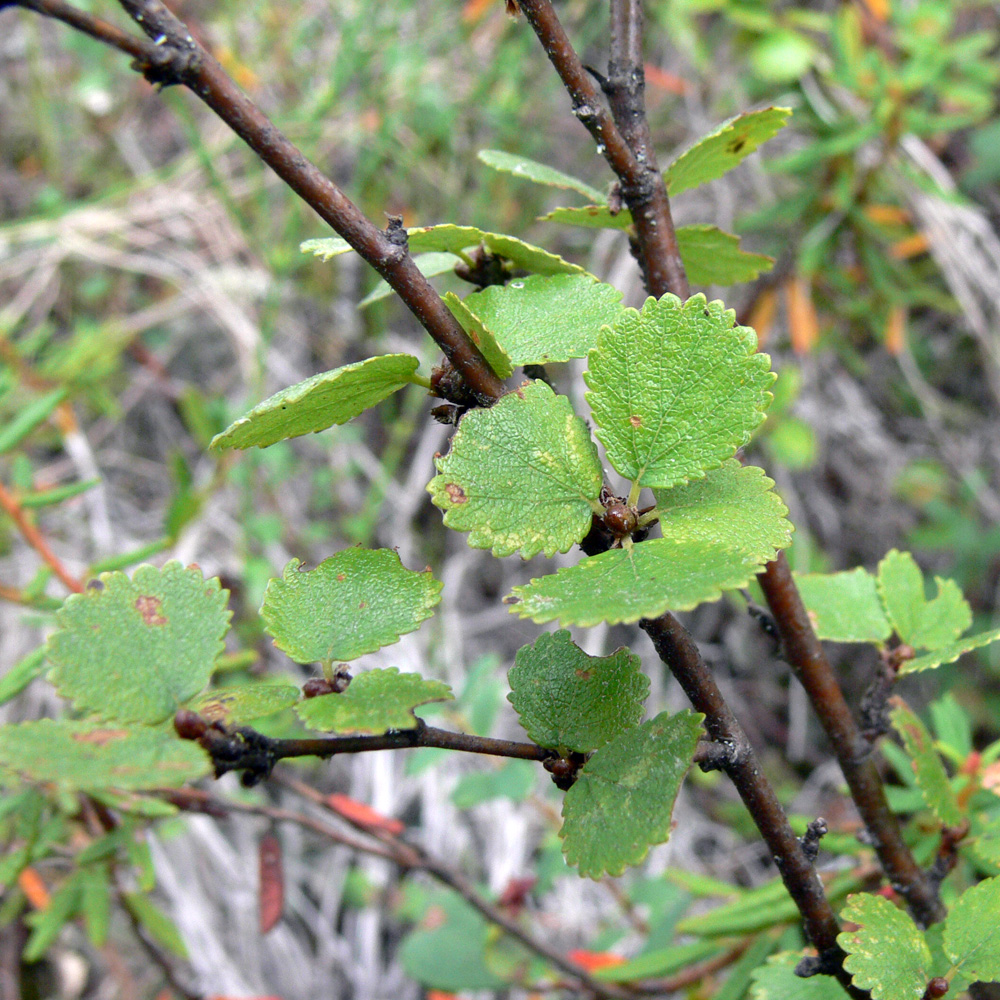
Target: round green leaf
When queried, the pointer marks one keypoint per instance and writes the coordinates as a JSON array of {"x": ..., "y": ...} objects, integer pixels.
[
  {"x": 521, "y": 476},
  {"x": 733, "y": 506},
  {"x": 972, "y": 932},
  {"x": 481, "y": 335},
  {"x": 624, "y": 585},
  {"x": 776, "y": 980},
  {"x": 352, "y": 603},
  {"x": 844, "y": 607},
  {"x": 319, "y": 402},
  {"x": 136, "y": 650},
  {"x": 570, "y": 701},
  {"x": 676, "y": 389},
  {"x": 375, "y": 702},
  {"x": 546, "y": 318},
  {"x": 714, "y": 257},
  {"x": 236, "y": 705},
  {"x": 87, "y": 756},
  {"x": 532, "y": 170},
  {"x": 887, "y": 954},
  {"x": 623, "y": 798},
  {"x": 731, "y": 143}
]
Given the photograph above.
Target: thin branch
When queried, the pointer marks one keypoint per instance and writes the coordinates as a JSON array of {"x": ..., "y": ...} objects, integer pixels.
[
  {"x": 805, "y": 655},
  {"x": 35, "y": 539},
  {"x": 173, "y": 56},
  {"x": 678, "y": 651},
  {"x": 642, "y": 187}
]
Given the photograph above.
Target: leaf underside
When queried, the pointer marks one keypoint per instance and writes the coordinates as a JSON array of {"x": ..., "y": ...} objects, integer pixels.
[
  {"x": 352, "y": 603},
  {"x": 675, "y": 389},
  {"x": 329, "y": 398},
  {"x": 844, "y": 607},
  {"x": 521, "y": 476},
  {"x": 375, "y": 702},
  {"x": 137, "y": 649},
  {"x": 540, "y": 173}
]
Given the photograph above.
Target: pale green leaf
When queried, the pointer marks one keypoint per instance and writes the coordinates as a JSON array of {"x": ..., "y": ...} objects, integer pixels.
[
  {"x": 540, "y": 173},
  {"x": 136, "y": 650},
  {"x": 522, "y": 475},
  {"x": 236, "y": 705},
  {"x": 660, "y": 962},
  {"x": 29, "y": 417},
  {"x": 48, "y": 922},
  {"x": 430, "y": 265},
  {"x": 643, "y": 581},
  {"x": 546, "y": 318},
  {"x": 514, "y": 780},
  {"x": 590, "y": 217},
  {"x": 570, "y": 701},
  {"x": 86, "y": 756},
  {"x": 623, "y": 799},
  {"x": 951, "y": 652},
  {"x": 733, "y": 506},
  {"x": 972, "y": 932},
  {"x": 22, "y": 674},
  {"x": 155, "y": 922},
  {"x": 844, "y": 607},
  {"x": 481, "y": 335},
  {"x": 713, "y": 257},
  {"x": 448, "y": 238},
  {"x": 374, "y": 702},
  {"x": 676, "y": 389},
  {"x": 352, "y": 603},
  {"x": 721, "y": 150},
  {"x": 95, "y": 902},
  {"x": 776, "y": 980},
  {"x": 319, "y": 402},
  {"x": 928, "y": 768},
  {"x": 887, "y": 954},
  {"x": 921, "y": 623}
]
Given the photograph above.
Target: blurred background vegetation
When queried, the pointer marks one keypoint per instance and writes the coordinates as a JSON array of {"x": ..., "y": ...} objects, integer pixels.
[{"x": 151, "y": 290}]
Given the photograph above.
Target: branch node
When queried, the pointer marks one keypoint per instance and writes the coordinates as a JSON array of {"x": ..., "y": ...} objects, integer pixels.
[{"x": 815, "y": 832}]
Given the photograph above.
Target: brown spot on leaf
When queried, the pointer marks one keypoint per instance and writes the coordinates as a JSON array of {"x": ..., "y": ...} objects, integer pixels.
[
  {"x": 341, "y": 578},
  {"x": 584, "y": 675},
  {"x": 100, "y": 737},
  {"x": 455, "y": 493},
  {"x": 635, "y": 420},
  {"x": 149, "y": 608},
  {"x": 735, "y": 147},
  {"x": 362, "y": 605}
]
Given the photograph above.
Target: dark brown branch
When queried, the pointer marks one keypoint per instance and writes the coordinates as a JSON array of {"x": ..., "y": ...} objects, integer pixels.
[
  {"x": 807, "y": 659},
  {"x": 173, "y": 56},
  {"x": 678, "y": 651},
  {"x": 642, "y": 186}
]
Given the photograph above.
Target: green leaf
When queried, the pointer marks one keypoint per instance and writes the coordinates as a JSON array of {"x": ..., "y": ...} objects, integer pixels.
[
  {"x": 352, "y": 603},
  {"x": 713, "y": 257},
  {"x": 480, "y": 335},
  {"x": 972, "y": 932},
  {"x": 844, "y": 607},
  {"x": 22, "y": 674},
  {"x": 776, "y": 980},
  {"x": 734, "y": 506},
  {"x": 641, "y": 581},
  {"x": 375, "y": 702},
  {"x": 721, "y": 150},
  {"x": 928, "y": 768},
  {"x": 590, "y": 217},
  {"x": 455, "y": 239},
  {"x": 47, "y": 923},
  {"x": 89, "y": 757},
  {"x": 155, "y": 922},
  {"x": 95, "y": 903},
  {"x": 570, "y": 701},
  {"x": 887, "y": 954},
  {"x": 428, "y": 264},
  {"x": 921, "y": 623},
  {"x": 319, "y": 402},
  {"x": 236, "y": 705},
  {"x": 542, "y": 318},
  {"x": 28, "y": 418},
  {"x": 515, "y": 781},
  {"x": 136, "y": 650},
  {"x": 521, "y": 476},
  {"x": 448, "y": 953},
  {"x": 623, "y": 798},
  {"x": 660, "y": 962},
  {"x": 540, "y": 173},
  {"x": 949, "y": 653},
  {"x": 676, "y": 389}
]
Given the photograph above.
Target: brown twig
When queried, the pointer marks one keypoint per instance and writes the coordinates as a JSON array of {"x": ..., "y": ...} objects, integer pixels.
[
  {"x": 173, "y": 56},
  {"x": 678, "y": 651},
  {"x": 805, "y": 655},
  {"x": 642, "y": 187},
  {"x": 35, "y": 539}
]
